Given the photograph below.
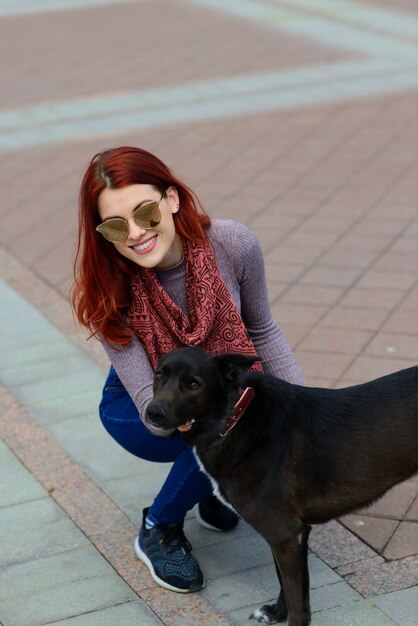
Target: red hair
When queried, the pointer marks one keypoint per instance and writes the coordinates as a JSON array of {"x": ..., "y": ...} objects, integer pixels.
[{"x": 100, "y": 295}]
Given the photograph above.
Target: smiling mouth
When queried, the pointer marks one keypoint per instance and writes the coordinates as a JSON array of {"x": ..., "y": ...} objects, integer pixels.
[{"x": 143, "y": 247}]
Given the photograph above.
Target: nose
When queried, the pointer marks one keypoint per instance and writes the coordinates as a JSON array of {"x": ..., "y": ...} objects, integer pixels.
[
  {"x": 155, "y": 412},
  {"x": 135, "y": 231}
]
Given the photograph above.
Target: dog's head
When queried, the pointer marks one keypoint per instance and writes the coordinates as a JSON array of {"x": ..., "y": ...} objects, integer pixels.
[{"x": 195, "y": 391}]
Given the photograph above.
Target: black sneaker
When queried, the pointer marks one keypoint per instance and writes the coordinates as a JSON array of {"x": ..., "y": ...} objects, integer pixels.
[
  {"x": 166, "y": 552},
  {"x": 212, "y": 514}
]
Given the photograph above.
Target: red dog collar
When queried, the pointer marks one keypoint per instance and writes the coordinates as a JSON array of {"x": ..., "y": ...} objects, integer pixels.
[{"x": 239, "y": 409}]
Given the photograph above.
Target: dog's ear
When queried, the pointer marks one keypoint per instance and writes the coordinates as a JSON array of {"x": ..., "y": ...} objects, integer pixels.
[{"x": 231, "y": 365}]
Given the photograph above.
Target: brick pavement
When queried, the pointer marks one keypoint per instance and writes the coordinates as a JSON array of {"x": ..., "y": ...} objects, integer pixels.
[{"x": 296, "y": 118}]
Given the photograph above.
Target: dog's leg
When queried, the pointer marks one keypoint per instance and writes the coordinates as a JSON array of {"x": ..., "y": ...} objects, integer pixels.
[
  {"x": 291, "y": 557},
  {"x": 304, "y": 546},
  {"x": 281, "y": 606},
  {"x": 273, "y": 613}
]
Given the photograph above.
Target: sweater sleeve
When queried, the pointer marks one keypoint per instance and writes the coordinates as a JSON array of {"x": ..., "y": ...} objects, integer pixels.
[
  {"x": 271, "y": 346},
  {"x": 134, "y": 369}
]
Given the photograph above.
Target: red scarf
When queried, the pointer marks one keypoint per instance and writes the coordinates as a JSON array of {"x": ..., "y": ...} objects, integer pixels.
[{"x": 215, "y": 323}]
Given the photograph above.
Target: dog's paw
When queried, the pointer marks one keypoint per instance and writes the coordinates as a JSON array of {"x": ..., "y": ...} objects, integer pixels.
[{"x": 267, "y": 614}]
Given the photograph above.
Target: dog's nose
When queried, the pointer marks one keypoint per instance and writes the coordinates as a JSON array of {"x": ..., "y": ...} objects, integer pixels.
[{"x": 155, "y": 412}]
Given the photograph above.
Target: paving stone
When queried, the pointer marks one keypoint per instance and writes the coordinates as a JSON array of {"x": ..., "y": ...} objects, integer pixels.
[
  {"x": 393, "y": 344},
  {"x": 62, "y": 384},
  {"x": 41, "y": 352},
  {"x": 16, "y": 483},
  {"x": 335, "y": 340},
  {"x": 35, "y": 528},
  {"x": 126, "y": 614},
  {"x": 404, "y": 541},
  {"x": 335, "y": 545},
  {"x": 375, "y": 531},
  {"x": 412, "y": 513},
  {"x": 372, "y": 577},
  {"x": 401, "y": 606},
  {"x": 233, "y": 556},
  {"x": 320, "y": 574},
  {"x": 260, "y": 585},
  {"x": 336, "y": 594},
  {"x": 103, "y": 461},
  {"x": 395, "y": 503},
  {"x": 46, "y": 574},
  {"x": 136, "y": 491},
  {"x": 357, "y": 613},
  {"x": 44, "y": 372},
  {"x": 72, "y": 598},
  {"x": 67, "y": 404}
]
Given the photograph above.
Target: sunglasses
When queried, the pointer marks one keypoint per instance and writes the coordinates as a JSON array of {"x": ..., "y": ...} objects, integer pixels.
[{"x": 116, "y": 229}]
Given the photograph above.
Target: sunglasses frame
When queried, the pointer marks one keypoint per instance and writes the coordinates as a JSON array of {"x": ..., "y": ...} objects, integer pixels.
[{"x": 101, "y": 228}]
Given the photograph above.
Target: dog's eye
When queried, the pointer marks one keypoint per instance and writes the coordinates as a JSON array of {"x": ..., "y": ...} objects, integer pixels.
[
  {"x": 157, "y": 375},
  {"x": 194, "y": 385}
]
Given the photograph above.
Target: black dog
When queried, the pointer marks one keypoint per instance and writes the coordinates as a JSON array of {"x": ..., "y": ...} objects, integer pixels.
[{"x": 298, "y": 456}]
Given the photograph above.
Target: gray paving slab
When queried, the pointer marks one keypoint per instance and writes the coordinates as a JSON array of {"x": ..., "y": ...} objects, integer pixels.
[
  {"x": 36, "y": 350},
  {"x": 401, "y": 606},
  {"x": 103, "y": 460},
  {"x": 48, "y": 569},
  {"x": 58, "y": 586},
  {"x": 128, "y": 614},
  {"x": 336, "y": 594},
  {"x": 254, "y": 586},
  {"x": 137, "y": 490},
  {"x": 320, "y": 574},
  {"x": 37, "y": 375},
  {"x": 236, "y": 555},
  {"x": 66, "y": 404},
  {"x": 259, "y": 585},
  {"x": 357, "y": 613},
  {"x": 73, "y": 598},
  {"x": 36, "y": 576},
  {"x": 34, "y": 529},
  {"x": 16, "y": 484},
  {"x": 68, "y": 385}
]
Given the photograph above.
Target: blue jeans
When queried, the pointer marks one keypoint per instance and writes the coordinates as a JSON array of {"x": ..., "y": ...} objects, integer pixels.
[{"x": 185, "y": 484}]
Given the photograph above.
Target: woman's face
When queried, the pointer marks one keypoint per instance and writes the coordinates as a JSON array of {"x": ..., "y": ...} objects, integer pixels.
[{"x": 157, "y": 247}]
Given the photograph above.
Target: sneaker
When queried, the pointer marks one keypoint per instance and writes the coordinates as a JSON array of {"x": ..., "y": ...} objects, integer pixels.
[
  {"x": 166, "y": 552},
  {"x": 212, "y": 514}
]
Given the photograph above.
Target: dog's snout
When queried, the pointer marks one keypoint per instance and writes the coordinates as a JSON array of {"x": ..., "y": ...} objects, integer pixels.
[{"x": 155, "y": 412}]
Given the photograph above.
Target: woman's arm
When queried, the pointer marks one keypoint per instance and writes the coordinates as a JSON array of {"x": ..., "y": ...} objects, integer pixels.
[
  {"x": 271, "y": 346},
  {"x": 134, "y": 369}
]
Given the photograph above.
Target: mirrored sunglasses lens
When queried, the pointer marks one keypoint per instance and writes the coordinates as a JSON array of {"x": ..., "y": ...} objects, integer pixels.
[
  {"x": 148, "y": 216},
  {"x": 114, "y": 230}
]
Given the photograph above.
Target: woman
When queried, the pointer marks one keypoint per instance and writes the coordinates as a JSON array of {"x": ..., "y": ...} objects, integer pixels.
[{"x": 153, "y": 273}]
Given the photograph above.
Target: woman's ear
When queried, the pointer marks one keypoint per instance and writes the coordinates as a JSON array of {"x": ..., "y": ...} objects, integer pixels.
[{"x": 173, "y": 199}]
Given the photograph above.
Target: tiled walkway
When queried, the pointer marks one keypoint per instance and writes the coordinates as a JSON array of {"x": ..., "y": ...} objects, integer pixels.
[{"x": 298, "y": 118}]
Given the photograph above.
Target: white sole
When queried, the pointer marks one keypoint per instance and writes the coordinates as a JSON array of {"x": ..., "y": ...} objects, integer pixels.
[{"x": 145, "y": 560}]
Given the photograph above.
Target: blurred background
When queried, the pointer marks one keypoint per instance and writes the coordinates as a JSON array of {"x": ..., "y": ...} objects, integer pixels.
[{"x": 298, "y": 118}]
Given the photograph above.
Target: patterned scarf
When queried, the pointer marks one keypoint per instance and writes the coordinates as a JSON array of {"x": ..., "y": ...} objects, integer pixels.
[{"x": 215, "y": 323}]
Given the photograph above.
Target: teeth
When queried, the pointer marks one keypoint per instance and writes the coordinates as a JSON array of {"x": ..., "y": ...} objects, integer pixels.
[{"x": 144, "y": 246}]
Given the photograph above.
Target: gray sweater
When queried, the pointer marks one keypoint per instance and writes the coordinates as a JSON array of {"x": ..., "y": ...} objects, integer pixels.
[{"x": 241, "y": 265}]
